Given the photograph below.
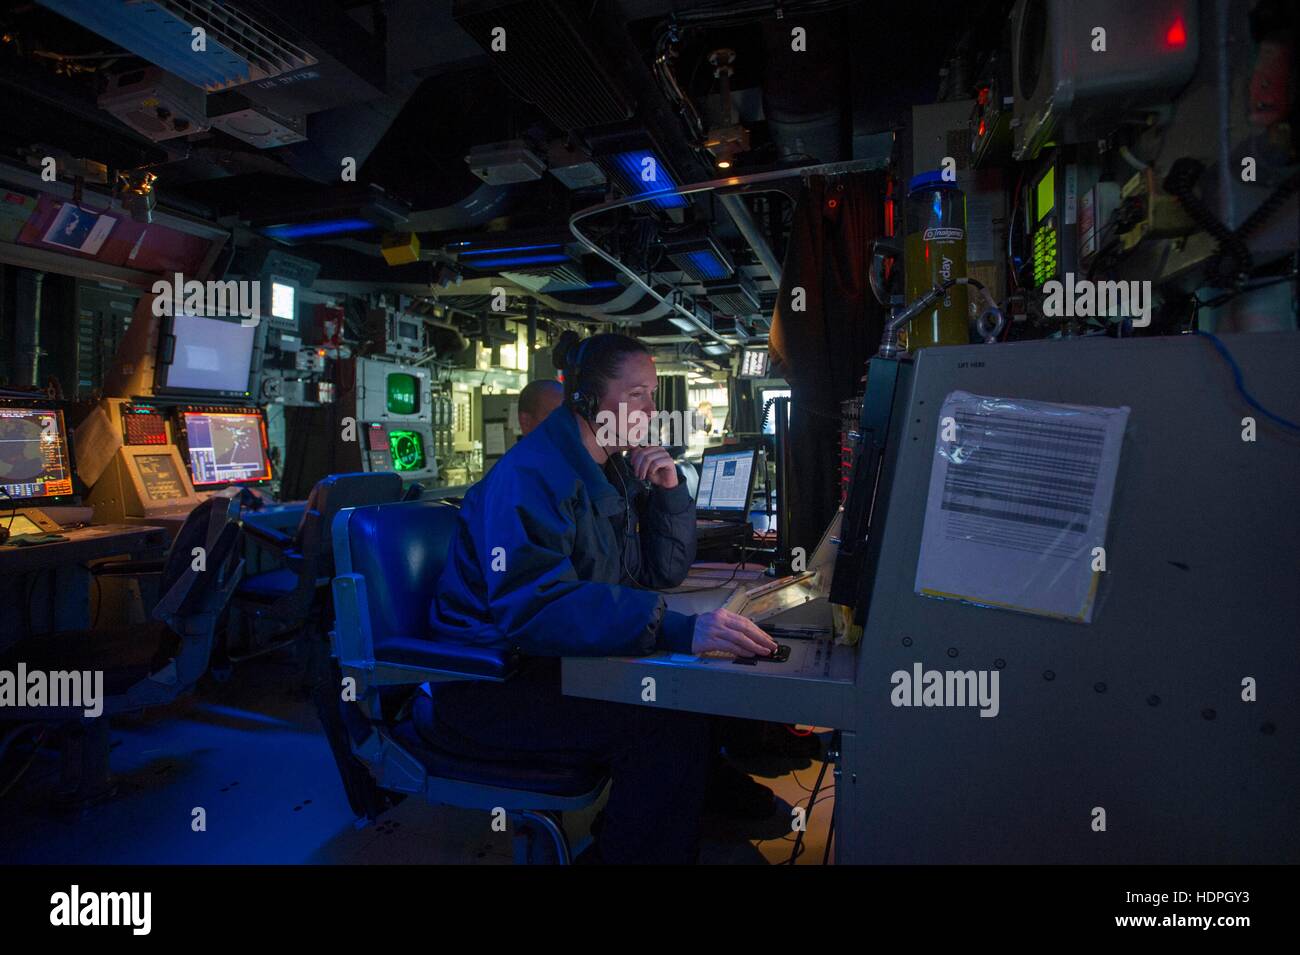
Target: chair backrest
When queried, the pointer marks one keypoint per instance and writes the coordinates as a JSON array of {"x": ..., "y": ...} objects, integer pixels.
[
  {"x": 196, "y": 586},
  {"x": 331, "y": 495},
  {"x": 202, "y": 528},
  {"x": 400, "y": 550}
]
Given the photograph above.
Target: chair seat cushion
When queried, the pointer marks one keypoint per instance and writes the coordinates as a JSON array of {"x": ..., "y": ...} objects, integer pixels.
[
  {"x": 444, "y": 655},
  {"x": 448, "y": 756},
  {"x": 269, "y": 584}
]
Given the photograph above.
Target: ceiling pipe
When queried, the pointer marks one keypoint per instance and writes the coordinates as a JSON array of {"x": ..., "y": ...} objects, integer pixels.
[{"x": 740, "y": 183}]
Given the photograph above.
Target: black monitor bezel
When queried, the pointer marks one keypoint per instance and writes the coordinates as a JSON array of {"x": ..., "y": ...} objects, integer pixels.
[
  {"x": 727, "y": 514},
  {"x": 166, "y": 352},
  {"x": 13, "y": 503},
  {"x": 182, "y": 435}
]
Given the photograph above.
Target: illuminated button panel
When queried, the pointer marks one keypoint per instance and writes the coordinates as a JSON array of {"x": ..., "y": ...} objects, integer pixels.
[
  {"x": 142, "y": 424},
  {"x": 1044, "y": 254}
]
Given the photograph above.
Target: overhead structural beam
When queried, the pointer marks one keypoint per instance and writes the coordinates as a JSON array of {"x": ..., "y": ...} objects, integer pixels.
[
  {"x": 739, "y": 213},
  {"x": 724, "y": 186}
]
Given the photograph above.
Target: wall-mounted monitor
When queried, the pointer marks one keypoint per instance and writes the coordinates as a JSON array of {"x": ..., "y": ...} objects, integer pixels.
[
  {"x": 391, "y": 391},
  {"x": 754, "y": 363},
  {"x": 35, "y": 464},
  {"x": 403, "y": 391},
  {"x": 205, "y": 356},
  {"x": 227, "y": 446},
  {"x": 764, "y": 396},
  {"x": 407, "y": 449},
  {"x": 284, "y": 303}
]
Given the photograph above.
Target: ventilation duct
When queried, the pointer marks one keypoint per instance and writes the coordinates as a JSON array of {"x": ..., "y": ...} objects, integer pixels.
[{"x": 549, "y": 59}]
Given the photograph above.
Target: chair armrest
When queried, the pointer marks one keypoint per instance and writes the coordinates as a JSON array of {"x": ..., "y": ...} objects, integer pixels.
[
  {"x": 268, "y": 536},
  {"x": 455, "y": 660},
  {"x": 127, "y": 568},
  {"x": 395, "y": 660}
]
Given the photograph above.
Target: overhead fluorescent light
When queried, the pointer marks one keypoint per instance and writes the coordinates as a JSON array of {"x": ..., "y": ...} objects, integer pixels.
[
  {"x": 685, "y": 324},
  {"x": 643, "y": 173},
  {"x": 516, "y": 261},
  {"x": 508, "y": 248},
  {"x": 701, "y": 257},
  {"x": 716, "y": 348},
  {"x": 328, "y": 227}
]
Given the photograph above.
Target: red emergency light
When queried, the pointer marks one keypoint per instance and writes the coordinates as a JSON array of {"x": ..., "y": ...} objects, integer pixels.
[{"x": 1176, "y": 35}]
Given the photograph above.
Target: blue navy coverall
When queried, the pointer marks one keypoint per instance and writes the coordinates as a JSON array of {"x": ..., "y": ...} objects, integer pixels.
[{"x": 536, "y": 566}]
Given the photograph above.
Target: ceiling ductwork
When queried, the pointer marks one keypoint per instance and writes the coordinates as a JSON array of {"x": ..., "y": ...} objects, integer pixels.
[
  {"x": 543, "y": 51},
  {"x": 801, "y": 93}
]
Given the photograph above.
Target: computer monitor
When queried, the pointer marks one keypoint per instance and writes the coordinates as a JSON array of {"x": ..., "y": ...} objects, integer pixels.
[
  {"x": 159, "y": 477},
  {"x": 284, "y": 296},
  {"x": 407, "y": 449},
  {"x": 726, "y": 482},
  {"x": 207, "y": 356},
  {"x": 402, "y": 393},
  {"x": 754, "y": 363},
  {"x": 764, "y": 396},
  {"x": 35, "y": 465},
  {"x": 227, "y": 446}
]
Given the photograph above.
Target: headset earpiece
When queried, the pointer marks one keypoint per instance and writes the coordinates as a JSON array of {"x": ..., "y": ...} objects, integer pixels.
[{"x": 583, "y": 403}]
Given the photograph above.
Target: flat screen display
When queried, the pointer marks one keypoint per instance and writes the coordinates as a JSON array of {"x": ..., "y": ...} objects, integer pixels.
[
  {"x": 753, "y": 363},
  {"x": 210, "y": 356},
  {"x": 1045, "y": 194},
  {"x": 159, "y": 477},
  {"x": 282, "y": 301},
  {"x": 724, "y": 481},
  {"x": 34, "y": 460},
  {"x": 226, "y": 447},
  {"x": 407, "y": 449},
  {"x": 767, "y": 394}
]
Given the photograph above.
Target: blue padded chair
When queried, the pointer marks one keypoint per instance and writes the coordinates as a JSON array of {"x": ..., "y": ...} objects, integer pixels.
[
  {"x": 388, "y": 559},
  {"x": 142, "y": 666},
  {"x": 293, "y": 599}
]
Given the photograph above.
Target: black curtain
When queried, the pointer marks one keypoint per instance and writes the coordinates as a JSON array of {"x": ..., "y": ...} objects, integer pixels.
[{"x": 822, "y": 349}]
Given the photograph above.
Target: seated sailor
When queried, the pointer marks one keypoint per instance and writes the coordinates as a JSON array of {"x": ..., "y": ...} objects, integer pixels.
[{"x": 557, "y": 553}]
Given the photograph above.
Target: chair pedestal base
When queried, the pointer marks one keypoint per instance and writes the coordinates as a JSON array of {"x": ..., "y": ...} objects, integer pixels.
[
  {"x": 539, "y": 838},
  {"x": 86, "y": 781}
]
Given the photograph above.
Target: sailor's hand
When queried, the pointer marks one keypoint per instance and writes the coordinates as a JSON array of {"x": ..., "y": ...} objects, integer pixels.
[
  {"x": 653, "y": 464},
  {"x": 722, "y": 630}
]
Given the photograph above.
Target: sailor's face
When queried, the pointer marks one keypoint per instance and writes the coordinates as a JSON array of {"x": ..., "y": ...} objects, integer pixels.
[{"x": 630, "y": 398}]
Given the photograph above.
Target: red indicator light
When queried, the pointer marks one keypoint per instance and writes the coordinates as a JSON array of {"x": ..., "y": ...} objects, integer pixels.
[
  {"x": 1177, "y": 34},
  {"x": 981, "y": 132}
]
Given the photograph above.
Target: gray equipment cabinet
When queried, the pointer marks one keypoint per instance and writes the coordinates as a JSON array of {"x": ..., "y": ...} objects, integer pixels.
[{"x": 1139, "y": 720}]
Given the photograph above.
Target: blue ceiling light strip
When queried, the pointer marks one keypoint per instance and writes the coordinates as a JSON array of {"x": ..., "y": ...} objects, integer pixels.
[
  {"x": 512, "y": 248},
  {"x": 705, "y": 265},
  {"x": 303, "y": 230},
  {"x": 514, "y": 261},
  {"x": 632, "y": 166}
]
